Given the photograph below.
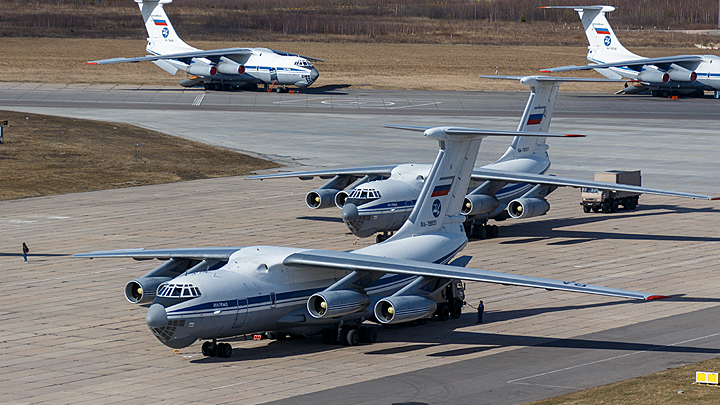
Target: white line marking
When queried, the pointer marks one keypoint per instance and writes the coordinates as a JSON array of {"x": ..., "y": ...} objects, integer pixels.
[
  {"x": 232, "y": 385},
  {"x": 415, "y": 105},
  {"x": 198, "y": 99},
  {"x": 609, "y": 359}
]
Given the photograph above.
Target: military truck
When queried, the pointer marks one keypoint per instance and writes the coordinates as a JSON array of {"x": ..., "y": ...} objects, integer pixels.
[{"x": 609, "y": 200}]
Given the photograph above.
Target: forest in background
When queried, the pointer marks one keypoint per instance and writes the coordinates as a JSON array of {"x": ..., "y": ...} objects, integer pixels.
[{"x": 404, "y": 21}]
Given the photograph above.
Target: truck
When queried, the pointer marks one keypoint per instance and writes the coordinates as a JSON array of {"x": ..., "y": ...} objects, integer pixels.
[{"x": 610, "y": 200}]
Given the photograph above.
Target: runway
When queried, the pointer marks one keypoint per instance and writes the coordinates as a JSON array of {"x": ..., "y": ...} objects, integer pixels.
[{"x": 69, "y": 336}]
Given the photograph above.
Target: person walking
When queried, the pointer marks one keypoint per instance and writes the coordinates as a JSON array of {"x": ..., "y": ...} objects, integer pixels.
[
  {"x": 481, "y": 309},
  {"x": 26, "y": 250}
]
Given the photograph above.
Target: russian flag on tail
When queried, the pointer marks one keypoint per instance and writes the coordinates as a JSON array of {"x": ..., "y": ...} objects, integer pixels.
[
  {"x": 534, "y": 119},
  {"x": 443, "y": 189},
  {"x": 602, "y": 31},
  {"x": 160, "y": 22}
]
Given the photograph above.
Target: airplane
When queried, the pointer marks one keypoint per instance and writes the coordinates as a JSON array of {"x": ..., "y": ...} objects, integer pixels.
[
  {"x": 687, "y": 75},
  {"x": 215, "y": 293},
  {"x": 378, "y": 199},
  {"x": 217, "y": 69}
]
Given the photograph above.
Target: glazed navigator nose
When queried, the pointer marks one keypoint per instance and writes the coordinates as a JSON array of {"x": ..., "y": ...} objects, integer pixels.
[{"x": 349, "y": 212}]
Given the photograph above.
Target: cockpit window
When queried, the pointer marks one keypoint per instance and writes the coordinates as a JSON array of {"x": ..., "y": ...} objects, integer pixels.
[
  {"x": 363, "y": 196},
  {"x": 303, "y": 63},
  {"x": 178, "y": 290}
]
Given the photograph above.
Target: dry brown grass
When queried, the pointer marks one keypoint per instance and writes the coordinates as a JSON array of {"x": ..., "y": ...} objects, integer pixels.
[
  {"x": 657, "y": 388},
  {"x": 360, "y": 65},
  {"x": 46, "y": 155}
]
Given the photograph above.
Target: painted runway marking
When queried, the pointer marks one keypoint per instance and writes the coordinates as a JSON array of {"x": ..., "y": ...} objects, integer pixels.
[
  {"x": 415, "y": 105},
  {"x": 198, "y": 99},
  {"x": 608, "y": 359}
]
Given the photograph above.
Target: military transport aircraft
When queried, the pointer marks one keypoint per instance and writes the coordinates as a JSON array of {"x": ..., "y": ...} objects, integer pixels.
[
  {"x": 380, "y": 198},
  {"x": 213, "y": 293},
  {"x": 217, "y": 69},
  {"x": 664, "y": 76}
]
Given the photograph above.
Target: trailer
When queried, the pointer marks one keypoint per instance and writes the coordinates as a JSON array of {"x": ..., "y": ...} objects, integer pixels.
[{"x": 606, "y": 200}]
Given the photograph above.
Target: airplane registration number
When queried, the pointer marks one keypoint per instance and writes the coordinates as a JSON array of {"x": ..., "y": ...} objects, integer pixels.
[{"x": 428, "y": 223}]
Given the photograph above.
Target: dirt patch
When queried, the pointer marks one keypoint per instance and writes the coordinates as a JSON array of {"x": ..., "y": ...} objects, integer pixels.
[{"x": 46, "y": 155}]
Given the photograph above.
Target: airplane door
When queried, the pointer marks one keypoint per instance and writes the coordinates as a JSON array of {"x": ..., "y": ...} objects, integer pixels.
[
  {"x": 273, "y": 74},
  {"x": 241, "y": 313}
]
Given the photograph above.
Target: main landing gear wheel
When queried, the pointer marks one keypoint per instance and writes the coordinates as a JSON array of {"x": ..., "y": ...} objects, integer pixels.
[
  {"x": 368, "y": 334},
  {"x": 224, "y": 350},
  {"x": 210, "y": 349},
  {"x": 350, "y": 337}
]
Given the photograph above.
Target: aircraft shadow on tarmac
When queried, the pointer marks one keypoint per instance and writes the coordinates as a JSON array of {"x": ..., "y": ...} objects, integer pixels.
[
  {"x": 544, "y": 230},
  {"x": 31, "y": 255},
  {"x": 327, "y": 89},
  {"x": 436, "y": 334}
]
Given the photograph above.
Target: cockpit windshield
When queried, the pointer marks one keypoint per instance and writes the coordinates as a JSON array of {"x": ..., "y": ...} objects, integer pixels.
[
  {"x": 303, "y": 62},
  {"x": 178, "y": 291},
  {"x": 361, "y": 196}
]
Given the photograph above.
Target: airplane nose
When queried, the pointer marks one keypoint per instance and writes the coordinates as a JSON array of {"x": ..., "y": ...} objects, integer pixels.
[
  {"x": 349, "y": 212},
  {"x": 314, "y": 74},
  {"x": 156, "y": 316}
]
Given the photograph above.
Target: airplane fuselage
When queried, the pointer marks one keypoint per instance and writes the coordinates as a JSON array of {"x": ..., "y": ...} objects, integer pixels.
[{"x": 254, "y": 292}]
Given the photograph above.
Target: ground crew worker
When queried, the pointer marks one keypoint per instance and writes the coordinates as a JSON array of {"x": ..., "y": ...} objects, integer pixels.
[
  {"x": 26, "y": 250},
  {"x": 481, "y": 308}
]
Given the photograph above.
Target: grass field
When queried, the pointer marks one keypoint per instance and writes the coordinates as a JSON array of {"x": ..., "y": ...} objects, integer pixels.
[{"x": 45, "y": 155}]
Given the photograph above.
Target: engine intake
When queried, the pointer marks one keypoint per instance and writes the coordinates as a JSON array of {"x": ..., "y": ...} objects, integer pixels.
[
  {"x": 475, "y": 204},
  {"x": 328, "y": 304},
  {"x": 404, "y": 308},
  {"x": 202, "y": 69},
  {"x": 143, "y": 289},
  {"x": 528, "y": 207},
  {"x": 340, "y": 198},
  {"x": 321, "y": 198}
]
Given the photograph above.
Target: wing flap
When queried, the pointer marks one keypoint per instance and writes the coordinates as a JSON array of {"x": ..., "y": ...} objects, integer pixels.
[
  {"x": 680, "y": 60},
  {"x": 353, "y": 261},
  {"x": 514, "y": 177}
]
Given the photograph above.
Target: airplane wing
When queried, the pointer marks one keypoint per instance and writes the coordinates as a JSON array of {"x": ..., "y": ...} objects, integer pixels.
[
  {"x": 218, "y": 253},
  {"x": 514, "y": 177},
  {"x": 483, "y": 132},
  {"x": 329, "y": 173},
  {"x": 553, "y": 79},
  {"x": 353, "y": 261},
  {"x": 688, "y": 61},
  {"x": 227, "y": 52}
]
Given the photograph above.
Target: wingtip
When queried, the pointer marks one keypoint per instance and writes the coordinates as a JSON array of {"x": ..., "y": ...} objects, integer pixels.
[
  {"x": 91, "y": 63},
  {"x": 574, "y": 136},
  {"x": 714, "y": 198},
  {"x": 657, "y": 297},
  {"x": 545, "y": 71}
]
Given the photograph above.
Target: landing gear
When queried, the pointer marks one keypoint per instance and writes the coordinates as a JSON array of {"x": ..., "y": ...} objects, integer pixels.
[
  {"x": 349, "y": 336},
  {"x": 214, "y": 349},
  {"x": 481, "y": 231},
  {"x": 382, "y": 238}
]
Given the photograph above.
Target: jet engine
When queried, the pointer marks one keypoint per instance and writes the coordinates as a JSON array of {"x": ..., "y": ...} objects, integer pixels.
[
  {"x": 201, "y": 69},
  {"x": 143, "y": 289},
  {"x": 404, "y": 308},
  {"x": 679, "y": 74},
  {"x": 653, "y": 76},
  {"x": 340, "y": 198},
  {"x": 527, "y": 207},
  {"x": 328, "y": 304},
  {"x": 321, "y": 198},
  {"x": 230, "y": 68},
  {"x": 475, "y": 204}
]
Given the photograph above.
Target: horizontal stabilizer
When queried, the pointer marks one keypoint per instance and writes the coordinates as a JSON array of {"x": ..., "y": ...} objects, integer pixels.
[{"x": 459, "y": 131}]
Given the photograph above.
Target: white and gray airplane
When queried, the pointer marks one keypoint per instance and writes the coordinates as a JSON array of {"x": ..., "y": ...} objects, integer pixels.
[
  {"x": 217, "y": 69},
  {"x": 664, "y": 76},
  {"x": 380, "y": 198},
  {"x": 214, "y": 293}
]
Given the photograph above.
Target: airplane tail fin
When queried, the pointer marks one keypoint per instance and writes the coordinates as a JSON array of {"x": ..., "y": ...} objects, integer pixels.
[
  {"x": 604, "y": 45},
  {"x": 162, "y": 38}
]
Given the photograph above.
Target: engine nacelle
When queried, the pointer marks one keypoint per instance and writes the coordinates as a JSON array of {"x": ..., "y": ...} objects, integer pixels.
[
  {"x": 143, "y": 289},
  {"x": 475, "y": 204},
  {"x": 404, "y": 308},
  {"x": 321, "y": 198},
  {"x": 527, "y": 207},
  {"x": 201, "y": 69},
  {"x": 653, "y": 76},
  {"x": 328, "y": 304},
  {"x": 341, "y": 198},
  {"x": 682, "y": 75},
  {"x": 230, "y": 68}
]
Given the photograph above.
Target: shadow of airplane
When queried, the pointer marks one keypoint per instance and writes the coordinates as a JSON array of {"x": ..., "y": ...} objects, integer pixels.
[
  {"x": 327, "y": 89},
  {"x": 37, "y": 254},
  {"x": 437, "y": 333}
]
